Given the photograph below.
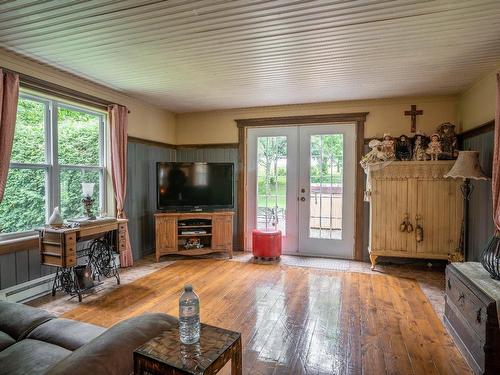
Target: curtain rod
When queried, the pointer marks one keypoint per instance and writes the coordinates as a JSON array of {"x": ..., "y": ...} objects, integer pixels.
[{"x": 50, "y": 88}]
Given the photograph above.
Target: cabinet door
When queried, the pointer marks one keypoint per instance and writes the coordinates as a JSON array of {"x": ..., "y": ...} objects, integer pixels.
[
  {"x": 222, "y": 232},
  {"x": 166, "y": 234},
  {"x": 389, "y": 205},
  {"x": 439, "y": 206}
]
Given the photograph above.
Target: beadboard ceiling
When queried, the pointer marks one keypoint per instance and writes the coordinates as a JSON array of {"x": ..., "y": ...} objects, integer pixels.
[{"x": 213, "y": 54}]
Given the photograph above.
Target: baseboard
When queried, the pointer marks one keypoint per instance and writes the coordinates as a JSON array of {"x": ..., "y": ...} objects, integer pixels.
[{"x": 28, "y": 290}]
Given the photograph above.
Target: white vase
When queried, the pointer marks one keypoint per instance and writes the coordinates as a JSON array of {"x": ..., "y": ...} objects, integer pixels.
[{"x": 55, "y": 219}]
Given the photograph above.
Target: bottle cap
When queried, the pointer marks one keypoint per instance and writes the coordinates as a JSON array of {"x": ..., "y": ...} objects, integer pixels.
[{"x": 188, "y": 288}]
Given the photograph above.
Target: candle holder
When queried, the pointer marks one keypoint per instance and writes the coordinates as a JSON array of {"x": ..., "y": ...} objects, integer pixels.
[{"x": 87, "y": 200}]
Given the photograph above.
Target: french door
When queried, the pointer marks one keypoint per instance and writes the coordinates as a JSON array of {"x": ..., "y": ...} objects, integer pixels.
[{"x": 301, "y": 181}]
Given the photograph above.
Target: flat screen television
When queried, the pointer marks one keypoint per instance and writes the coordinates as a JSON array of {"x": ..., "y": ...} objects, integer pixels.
[{"x": 194, "y": 186}]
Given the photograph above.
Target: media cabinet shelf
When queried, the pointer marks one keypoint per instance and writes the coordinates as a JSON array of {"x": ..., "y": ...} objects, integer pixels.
[
  {"x": 194, "y": 226},
  {"x": 194, "y": 235},
  {"x": 169, "y": 240}
]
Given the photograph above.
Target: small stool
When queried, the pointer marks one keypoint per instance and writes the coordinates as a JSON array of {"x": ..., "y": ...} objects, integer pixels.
[{"x": 266, "y": 245}]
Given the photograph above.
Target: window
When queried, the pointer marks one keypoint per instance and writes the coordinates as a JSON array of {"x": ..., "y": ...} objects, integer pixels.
[{"x": 56, "y": 147}]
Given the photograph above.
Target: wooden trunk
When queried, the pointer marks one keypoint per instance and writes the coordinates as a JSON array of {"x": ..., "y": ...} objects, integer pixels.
[
  {"x": 419, "y": 191},
  {"x": 471, "y": 315},
  {"x": 170, "y": 238}
]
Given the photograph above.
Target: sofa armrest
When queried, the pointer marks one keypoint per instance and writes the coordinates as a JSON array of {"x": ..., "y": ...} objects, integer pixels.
[{"x": 112, "y": 352}]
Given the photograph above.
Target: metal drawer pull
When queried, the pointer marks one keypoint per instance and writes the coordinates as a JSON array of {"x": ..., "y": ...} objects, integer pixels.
[{"x": 478, "y": 316}]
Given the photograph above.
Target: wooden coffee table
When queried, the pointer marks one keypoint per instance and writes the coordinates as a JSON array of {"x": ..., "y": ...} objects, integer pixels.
[{"x": 165, "y": 354}]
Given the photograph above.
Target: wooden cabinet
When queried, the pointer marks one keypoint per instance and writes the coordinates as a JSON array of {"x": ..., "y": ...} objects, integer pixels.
[
  {"x": 214, "y": 230},
  {"x": 222, "y": 232},
  {"x": 418, "y": 192},
  {"x": 471, "y": 315},
  {"x": 166, "y": 235}
]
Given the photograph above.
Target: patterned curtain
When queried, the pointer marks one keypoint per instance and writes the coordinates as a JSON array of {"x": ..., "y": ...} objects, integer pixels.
[
  {"x": 118, "y": 134},
  {"x": 9, "y": 94}
]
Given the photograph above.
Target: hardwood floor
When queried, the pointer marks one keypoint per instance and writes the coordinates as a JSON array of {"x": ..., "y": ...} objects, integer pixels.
[{"x": 298, "y": 320}]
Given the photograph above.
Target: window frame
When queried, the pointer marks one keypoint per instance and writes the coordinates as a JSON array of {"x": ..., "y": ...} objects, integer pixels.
[{"x": 51, "y": 165}]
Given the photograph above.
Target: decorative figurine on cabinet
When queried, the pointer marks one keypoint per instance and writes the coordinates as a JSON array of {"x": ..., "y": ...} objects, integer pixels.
[
  {"x": 448, "y": 139},
  {"x": 374, "y": 156},
  {"x": 388, "y": 147},
  {"x": 403, "y": 148},
  {"x": 434, "y": 147},
  {"x": 55, "y": 220},
  {"x": 419, "y": 153}
]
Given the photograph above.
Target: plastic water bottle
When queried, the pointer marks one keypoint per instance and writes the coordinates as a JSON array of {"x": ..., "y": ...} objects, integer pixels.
[{"x": 189, "y": 316}]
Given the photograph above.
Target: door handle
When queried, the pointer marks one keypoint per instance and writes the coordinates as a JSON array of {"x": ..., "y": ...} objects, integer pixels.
[
  {"x": 419, "y": 230},
  {"x": 303, "y": 199}
]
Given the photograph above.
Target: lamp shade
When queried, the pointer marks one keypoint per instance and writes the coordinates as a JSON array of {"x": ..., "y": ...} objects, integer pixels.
[
  {"x": 467, "y": 166},
  {"x": 87, "y": 189}
]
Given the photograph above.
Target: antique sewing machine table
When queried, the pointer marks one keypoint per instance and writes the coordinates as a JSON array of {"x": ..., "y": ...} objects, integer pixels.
[{"x": 58, "y": 248}]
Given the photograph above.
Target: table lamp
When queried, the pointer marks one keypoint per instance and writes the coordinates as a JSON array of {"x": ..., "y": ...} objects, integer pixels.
[
  {"x": 87, "y": 200},
  {"x": 466, "y": 167}
]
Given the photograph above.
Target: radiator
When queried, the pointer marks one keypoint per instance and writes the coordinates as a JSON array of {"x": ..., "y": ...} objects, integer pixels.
[{"x": 28, "y": 290}]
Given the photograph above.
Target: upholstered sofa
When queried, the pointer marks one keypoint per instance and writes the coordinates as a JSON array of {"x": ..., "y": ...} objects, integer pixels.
[{"x": 32, "y": 341}]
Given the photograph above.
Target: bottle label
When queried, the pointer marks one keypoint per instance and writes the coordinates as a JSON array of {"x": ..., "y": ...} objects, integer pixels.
[{"x": 188, "y": 311}]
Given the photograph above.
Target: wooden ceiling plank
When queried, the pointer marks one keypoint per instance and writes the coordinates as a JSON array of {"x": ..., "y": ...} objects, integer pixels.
[
  {"x": 408, "y": 32},
  {"x": 73, "y": 34},
  {"x": 109, "y": 46},
  {"x": 216, "y": 54},
  {"x": 370, "y": 53}
]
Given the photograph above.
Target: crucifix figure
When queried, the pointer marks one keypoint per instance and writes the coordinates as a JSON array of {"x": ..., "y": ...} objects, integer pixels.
[{"x": 413, "y": 112}]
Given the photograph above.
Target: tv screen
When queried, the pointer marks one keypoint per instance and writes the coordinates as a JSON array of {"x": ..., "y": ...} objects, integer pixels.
[{"x": 194, "y": 185}]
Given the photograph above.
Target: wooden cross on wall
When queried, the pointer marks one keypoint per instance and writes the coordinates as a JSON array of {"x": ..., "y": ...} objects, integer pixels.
[{"x": 413, "y": 112}]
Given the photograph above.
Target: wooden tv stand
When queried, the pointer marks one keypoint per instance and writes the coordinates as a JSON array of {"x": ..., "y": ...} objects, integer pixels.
[{"x": 171, "y": 236}]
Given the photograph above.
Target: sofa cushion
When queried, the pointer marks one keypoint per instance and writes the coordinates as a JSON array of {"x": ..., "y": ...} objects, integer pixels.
[
  {"x": 112, "y": 352},
  {"x": 30, "y": 357},
  {"x": 17, "y": 320},
  {"x": 5, "y": 340},
  {"x": 70, "y": 334}
]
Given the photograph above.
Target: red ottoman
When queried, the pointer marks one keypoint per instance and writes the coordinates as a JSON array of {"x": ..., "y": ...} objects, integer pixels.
[{"x": 266, "y": 245}]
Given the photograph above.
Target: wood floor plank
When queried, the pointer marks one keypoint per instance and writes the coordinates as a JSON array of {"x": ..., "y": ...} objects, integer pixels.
[
  {"x": 372, "y": 358},
  {"x": 298, "y": 320},
  {"x": 395, "y": 355}
]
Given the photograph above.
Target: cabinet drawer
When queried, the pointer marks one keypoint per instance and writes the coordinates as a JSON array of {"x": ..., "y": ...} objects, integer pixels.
[{"x": 467, "y": 303}]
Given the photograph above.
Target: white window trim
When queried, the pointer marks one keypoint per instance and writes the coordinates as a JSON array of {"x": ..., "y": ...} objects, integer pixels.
[{"x": 51, "y": 166}]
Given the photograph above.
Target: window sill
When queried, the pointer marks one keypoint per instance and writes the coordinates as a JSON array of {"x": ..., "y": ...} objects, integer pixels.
[{"x": 18, "y": 244}]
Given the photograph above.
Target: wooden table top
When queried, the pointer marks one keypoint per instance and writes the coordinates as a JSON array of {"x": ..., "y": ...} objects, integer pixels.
[
  {"x": 88, "y": 225},
  {"x": 192, "y": 359}
]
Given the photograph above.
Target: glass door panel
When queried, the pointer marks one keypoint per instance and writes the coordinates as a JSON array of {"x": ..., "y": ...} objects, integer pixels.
[
  {"x": 271, "y": 182},
  {"x": 326, "y": 195},
  {"x": 325, "y": 186}
]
